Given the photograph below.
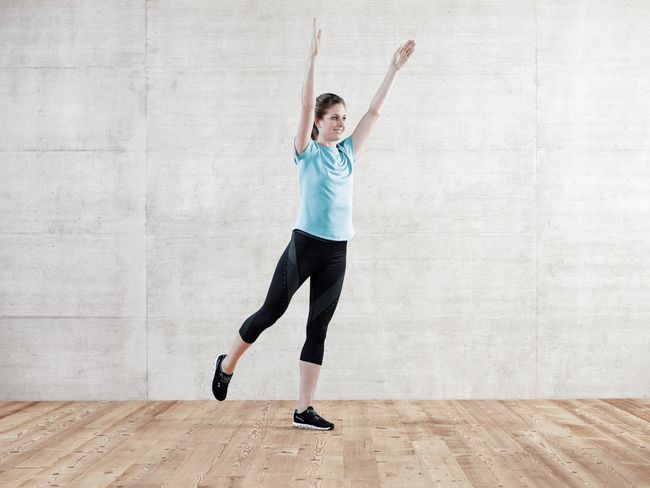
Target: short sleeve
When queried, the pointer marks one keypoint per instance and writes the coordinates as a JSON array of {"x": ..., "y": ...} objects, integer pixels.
[
  {"x": 348, "y": 146},
  {"x": 309, "y": 150}
]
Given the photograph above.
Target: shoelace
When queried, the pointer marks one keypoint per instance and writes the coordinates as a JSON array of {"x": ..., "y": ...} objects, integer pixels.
[{"x": 315, "y": 415}]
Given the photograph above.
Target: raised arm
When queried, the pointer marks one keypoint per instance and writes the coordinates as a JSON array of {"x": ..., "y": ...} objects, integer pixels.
[
  {"x": 367, "y": 122},
  {"x": 307, "y": 111}
]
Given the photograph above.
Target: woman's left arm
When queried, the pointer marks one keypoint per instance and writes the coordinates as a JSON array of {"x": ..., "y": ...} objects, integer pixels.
[{"x": 365, "y": 125}]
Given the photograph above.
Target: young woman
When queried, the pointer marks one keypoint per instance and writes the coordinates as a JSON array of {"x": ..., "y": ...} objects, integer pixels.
[{"x": 318, "y": 244}]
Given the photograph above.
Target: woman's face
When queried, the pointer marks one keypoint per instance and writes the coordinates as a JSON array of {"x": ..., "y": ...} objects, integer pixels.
[{"x": 332, "y": 125}]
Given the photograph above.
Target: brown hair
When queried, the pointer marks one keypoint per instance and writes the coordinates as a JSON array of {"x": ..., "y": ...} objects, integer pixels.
[{"x": 323, "y": 102}]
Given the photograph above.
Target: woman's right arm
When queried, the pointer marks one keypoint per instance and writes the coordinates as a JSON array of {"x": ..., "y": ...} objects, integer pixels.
[{"x": 307, "y": 111}]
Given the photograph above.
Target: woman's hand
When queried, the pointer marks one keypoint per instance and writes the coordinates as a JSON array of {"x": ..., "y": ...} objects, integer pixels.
[
  {"x": 315, "y": 42},
  {"x": 402, "y": 54}
]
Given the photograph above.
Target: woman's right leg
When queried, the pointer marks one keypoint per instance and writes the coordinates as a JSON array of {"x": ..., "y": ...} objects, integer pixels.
[
  {"x": 287, "y": 278},
  {"x": 236, "y": 350}
]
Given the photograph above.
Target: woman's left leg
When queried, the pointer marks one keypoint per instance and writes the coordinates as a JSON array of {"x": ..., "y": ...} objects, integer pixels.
[{"x": 324, "y": 293}]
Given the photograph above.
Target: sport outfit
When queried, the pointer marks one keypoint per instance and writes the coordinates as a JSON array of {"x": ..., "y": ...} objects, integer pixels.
[{"x": 317, "y": 250}]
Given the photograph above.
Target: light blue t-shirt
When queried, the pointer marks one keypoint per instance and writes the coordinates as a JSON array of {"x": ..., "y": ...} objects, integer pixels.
[{"x": 326, "y": 190}]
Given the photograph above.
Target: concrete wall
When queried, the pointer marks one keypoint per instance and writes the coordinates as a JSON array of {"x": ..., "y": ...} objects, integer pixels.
[{"x": 501, "y": 205}]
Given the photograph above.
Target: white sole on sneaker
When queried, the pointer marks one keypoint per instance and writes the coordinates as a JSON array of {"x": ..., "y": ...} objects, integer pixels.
[{"x": 310, "y": 427}]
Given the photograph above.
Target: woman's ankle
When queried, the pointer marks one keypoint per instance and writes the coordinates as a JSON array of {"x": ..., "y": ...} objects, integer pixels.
[{"x": 225, "y": 369}]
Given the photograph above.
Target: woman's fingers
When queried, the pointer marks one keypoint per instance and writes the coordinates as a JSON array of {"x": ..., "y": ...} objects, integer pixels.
[
  {"x": 319, "y": 31},
  {"x": 405, "y": 50}
]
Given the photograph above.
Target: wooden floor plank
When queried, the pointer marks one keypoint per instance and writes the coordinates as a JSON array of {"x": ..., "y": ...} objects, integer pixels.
[
  {"x": 358, "y": 451},
  {"x": 436, "y": 460},
  {"x": 319, "y": 458},
  {"x": 572, "y": 455},
  {"x": 576, "y": 443},
  {"x": 46, "y": 431},
  {"x": 13, "y": 426},
  {"x": 170, "y": 453},
  {"x": 66, "y": 443},
  {"x": 199, "y": 467},
  {"x": 110, "y": 442},
  {"x": 16, "y": 476},
  {"x": 393, "y": 448},
  {"x": 277, "y": 452},
  {"x": 168, "y": 431},
  {"x": 240, "y": 442},
  {"x": 145, "y": 447},
  {"x": 11, "y": 408},
  {"x": 637, "y": 407}
]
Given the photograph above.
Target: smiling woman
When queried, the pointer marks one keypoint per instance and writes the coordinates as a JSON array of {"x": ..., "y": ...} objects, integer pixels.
[
  {"x": 318, "y": 245},
  {"x": 329, "y": 117}
]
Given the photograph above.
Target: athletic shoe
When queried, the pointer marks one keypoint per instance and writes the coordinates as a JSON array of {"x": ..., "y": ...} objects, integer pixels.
[
  {"x": 309, "y": 419},
  {"x": 221, "y": 380}
]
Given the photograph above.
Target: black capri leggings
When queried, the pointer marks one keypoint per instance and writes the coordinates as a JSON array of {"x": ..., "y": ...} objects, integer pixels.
[{"x": 305, "y": 256}]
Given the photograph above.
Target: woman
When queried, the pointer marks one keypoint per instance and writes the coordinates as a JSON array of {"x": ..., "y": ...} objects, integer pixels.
[{"x": 318, "y": 244}]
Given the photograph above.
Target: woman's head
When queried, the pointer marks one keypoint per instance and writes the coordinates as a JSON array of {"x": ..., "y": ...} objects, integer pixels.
[{"x": 329, "y": 117}]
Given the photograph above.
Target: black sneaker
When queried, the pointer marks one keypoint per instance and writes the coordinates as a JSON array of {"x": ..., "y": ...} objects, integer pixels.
[
  {"x": 221, "y": 380},
  {"x": 309, "y": 419}
]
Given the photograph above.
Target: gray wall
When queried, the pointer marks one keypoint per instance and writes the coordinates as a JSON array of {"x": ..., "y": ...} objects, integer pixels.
[{"x": 501, "y": 205}]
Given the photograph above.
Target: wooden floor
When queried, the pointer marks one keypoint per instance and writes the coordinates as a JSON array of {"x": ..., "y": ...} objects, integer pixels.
[{"x": 377, "y": 443}]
